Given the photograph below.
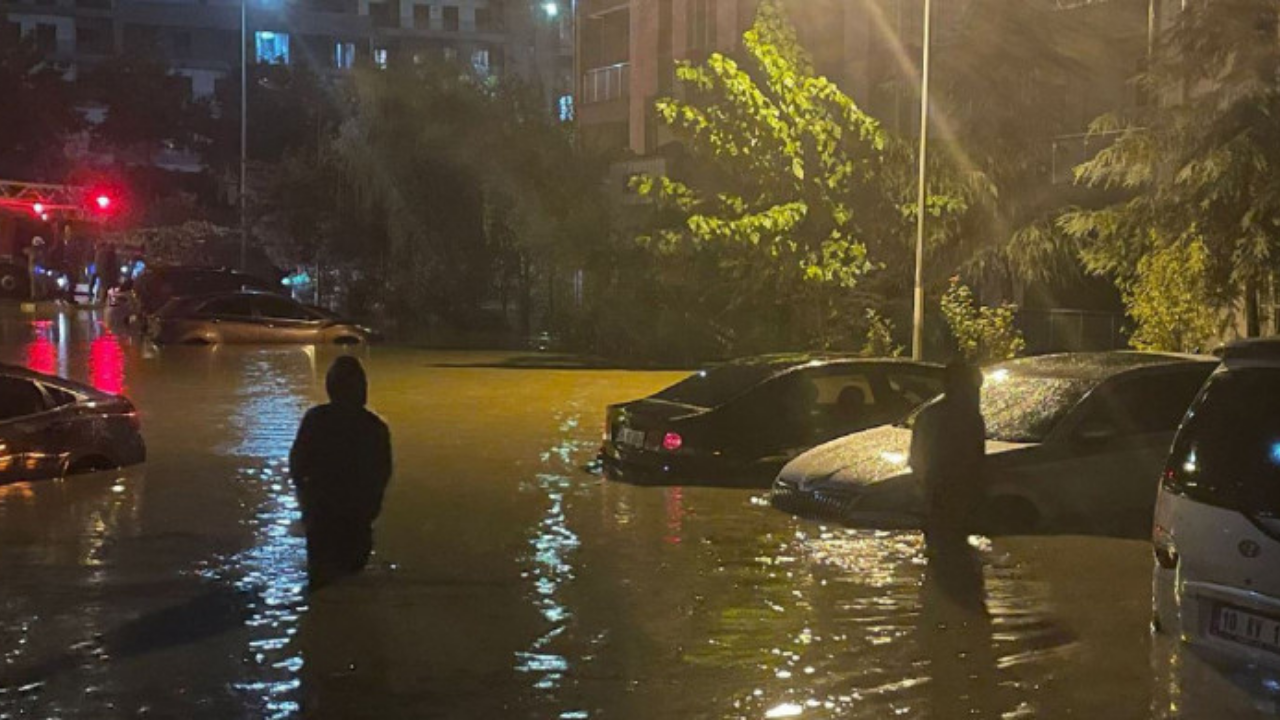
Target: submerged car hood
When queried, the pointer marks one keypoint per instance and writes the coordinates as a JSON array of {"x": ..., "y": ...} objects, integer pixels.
[{"x": 864, "y": 458}]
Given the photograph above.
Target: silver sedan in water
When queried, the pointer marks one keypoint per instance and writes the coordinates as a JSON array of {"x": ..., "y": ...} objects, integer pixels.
[
  {"x": 1075, "y": 441},
  {"x": 250, "y": 317}
]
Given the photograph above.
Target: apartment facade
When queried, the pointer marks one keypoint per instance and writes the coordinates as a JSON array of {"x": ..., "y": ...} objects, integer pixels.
[{"x": 200, "y": 39}]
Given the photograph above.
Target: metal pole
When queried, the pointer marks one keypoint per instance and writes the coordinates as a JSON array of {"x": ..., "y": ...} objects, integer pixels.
[
  {"x": 917, "y": 327},
  {"x": 244, "y": 128}
]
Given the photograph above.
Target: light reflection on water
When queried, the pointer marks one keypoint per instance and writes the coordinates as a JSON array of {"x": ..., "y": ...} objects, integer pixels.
[{"x": 525, "y": 585}]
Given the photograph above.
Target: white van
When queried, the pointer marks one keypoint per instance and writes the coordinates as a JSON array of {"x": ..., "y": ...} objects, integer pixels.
[{"x": 1217, "y": 522}]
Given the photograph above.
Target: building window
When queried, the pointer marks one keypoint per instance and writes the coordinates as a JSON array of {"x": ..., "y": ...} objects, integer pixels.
[
  {"x": 451, "y": 18},
  {"x": 271, "y": 48},
  {"x": 182, "y": 44},
  {"x": 422, "y": 17},
  {"x": 94, "y": 36},
  {"x": 451, "y": 54},
  {"x": 384, "y": 14},
  {"x": 480, "y": 61},
  {"x": 380, "y": 58},
  {"x": 344, "y": 55},
  {"x": 702, "y": 24},
  {"x": 564, "y": 108},
  {"x": 46, "y": 38},
  {"x": 484, "y": 20}
]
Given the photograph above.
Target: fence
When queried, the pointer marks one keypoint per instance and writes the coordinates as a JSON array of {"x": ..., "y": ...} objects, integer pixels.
[
  {"x": 1072, "y": 330},
  {"x": 606, "y": 83}
]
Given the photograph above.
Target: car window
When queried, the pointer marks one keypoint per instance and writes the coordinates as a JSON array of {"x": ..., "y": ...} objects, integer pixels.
[
  {"x": 914, "y": 387},
  {"x": 1022, "y": 408},
  {"x": 1147, "y": 404},
  {"x": 278, "y": 308},
  {"x": 716, "y": 386},
  {"x": 19, "y": 398},
  {"x": 1227, "y": 452},
  {"x": 236, "y": 306},
  {"x": 848, "y": 385},
  {"x": 59, "y": 397}
]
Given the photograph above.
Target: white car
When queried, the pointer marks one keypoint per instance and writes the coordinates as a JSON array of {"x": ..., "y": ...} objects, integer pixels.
[
  {"x": 1075, "y": 442},
  {"x": 1217, "y": 524}
]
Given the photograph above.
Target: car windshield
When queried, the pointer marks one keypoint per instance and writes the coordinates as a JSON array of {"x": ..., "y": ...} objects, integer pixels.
[
  {"x": 1227, "y": 453},
  {"x": 1023, "y": 408},
  {"x": 716, "y": 386}
]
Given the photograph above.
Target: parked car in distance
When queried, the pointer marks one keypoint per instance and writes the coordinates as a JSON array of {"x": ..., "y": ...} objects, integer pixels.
[
  {"x": 1216, "y": 534},
  {"x": 51, "y": 427},
  {"x": 741, "y": 421},
  {"x": 250, "y": 317},
  {"x": 1075, "y": 441},
  {"x": 156, "y": 286}
]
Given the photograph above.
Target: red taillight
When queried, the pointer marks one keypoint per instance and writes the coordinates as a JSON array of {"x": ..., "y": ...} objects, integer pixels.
[
  {"x": 672, "y": 442},
  {"x": 1162, "y": 544}
]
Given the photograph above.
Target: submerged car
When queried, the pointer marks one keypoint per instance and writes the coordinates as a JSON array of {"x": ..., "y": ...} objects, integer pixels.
[
  {"x": 1216, "y": 534},
  {"x": 155, "y": 287},
  {"x": 51, "y": 427},
  {"x": 1075, "y": 441},
  {"x": 250, "y": 317},
  {"x": 741, "y": 421}
]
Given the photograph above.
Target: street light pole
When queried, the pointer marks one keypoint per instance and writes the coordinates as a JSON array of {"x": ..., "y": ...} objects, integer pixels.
[
  {"x": 244, "y": 128},
  {"x": 917, "y": 326}
]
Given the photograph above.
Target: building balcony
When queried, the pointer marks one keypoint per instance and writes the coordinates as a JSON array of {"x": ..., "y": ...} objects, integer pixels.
[{"x": 603, "y": 84}]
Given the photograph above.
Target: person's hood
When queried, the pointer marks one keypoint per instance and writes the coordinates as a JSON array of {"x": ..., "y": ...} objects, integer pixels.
[
  {"x": 346, "y": 384},
  {"x": 860, "y": 460}
]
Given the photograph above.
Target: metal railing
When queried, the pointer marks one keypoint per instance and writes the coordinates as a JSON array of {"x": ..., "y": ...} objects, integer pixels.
[{"x": 606, "y": 83}]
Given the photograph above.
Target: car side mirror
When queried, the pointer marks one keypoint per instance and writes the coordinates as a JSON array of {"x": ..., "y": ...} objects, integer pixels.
[{"x": 1096, "y": 433}]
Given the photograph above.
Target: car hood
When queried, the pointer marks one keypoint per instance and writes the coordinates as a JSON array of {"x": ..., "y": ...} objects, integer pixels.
[{"x": 862, "y": 459}]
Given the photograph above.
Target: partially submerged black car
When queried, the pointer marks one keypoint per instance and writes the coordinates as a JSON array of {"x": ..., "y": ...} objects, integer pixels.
[
  {"x": 51, "y": 427},
  {"x": 740, "y": 422}
]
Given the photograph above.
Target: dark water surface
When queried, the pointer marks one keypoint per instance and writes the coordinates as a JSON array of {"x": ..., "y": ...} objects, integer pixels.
[{"x": 508, "y": 582}]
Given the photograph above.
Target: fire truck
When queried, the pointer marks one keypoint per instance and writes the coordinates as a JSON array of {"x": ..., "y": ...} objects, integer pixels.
[{"x": 41, "y": 221}]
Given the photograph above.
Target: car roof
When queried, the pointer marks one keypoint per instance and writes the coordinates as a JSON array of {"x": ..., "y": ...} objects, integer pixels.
[
  {"x": 1096, "y": 366},
  {"x": 1252, "y": 351},
  {"x": 8, "y": 370},
  {"x": 782, "y": 361}
]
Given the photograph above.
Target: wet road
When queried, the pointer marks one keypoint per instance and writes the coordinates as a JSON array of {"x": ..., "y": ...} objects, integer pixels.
[{"x": 508, "y": 582}]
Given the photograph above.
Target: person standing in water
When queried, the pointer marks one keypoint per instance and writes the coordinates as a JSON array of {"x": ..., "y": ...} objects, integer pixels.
[
  {"x": 340, "y": 464},
  {"x": 948, "y": 447}
]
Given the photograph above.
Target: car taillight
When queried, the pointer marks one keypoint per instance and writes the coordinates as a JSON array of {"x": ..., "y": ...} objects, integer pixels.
[
  {"x": 672, "y": 442},
  {"x": 1162, "y": 544}
]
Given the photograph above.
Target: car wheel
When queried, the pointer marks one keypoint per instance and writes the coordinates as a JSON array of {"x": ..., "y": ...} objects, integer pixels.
[
  {"x": 1006, "y": 515},
  {"x": 346, "y": 340}
]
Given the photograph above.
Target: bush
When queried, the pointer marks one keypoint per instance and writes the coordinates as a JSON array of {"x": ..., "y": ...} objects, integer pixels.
[
  {"x": 982, "y": 333},
  {"x": 1170, "y": 300},
  {"x": 879, "y": 342}
]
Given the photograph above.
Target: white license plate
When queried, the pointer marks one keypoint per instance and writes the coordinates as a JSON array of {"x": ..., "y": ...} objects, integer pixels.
[
  {"x": 1241, "y": 626},
  {"x": 627, "y": 436}
]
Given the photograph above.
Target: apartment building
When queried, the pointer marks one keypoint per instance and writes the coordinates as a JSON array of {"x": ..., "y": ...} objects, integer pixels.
[{"x": 200, "y": 38}]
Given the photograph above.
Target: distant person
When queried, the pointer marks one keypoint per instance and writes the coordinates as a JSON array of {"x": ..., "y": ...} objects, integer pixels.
[
  {"x": 340, "y": 464},
  {"x": 106, "y": 268},
  {"x": 948, "y": 445}
]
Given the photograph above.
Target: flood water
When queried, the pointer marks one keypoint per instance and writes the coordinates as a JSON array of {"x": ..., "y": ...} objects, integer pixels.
[{"x": 508, "y": 581}]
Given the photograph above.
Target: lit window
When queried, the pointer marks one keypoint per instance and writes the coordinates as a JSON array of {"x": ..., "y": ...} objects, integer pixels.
[
  {"x": 344, "y": 55},
  {"x": 272, "y": 47},
  {"x": 565, "y": 106},
  {"x": 380, "y": 57},
  {"x": 480, "y": 61}
]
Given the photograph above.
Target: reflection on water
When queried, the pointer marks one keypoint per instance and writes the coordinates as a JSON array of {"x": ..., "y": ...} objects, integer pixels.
[{"x": 508, "y": 583}]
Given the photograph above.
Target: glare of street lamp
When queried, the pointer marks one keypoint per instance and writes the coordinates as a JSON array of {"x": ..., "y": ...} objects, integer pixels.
[{"x": 551, "y": 9}]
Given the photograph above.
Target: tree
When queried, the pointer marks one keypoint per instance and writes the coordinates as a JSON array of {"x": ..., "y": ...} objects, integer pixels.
[
  {"x": 1200, "y": 165},
  {"x": 1169, "y": 299},
  {"x": 146, "y": 106},
  {"x": 37, "y": 115},
  {"x": 794, "y": 198}
]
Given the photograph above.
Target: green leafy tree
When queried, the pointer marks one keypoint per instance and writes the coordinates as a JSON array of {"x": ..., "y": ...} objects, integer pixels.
[
  {"x": 1170, "y": 300},
  {"x": 795, "y": 196},
  {"x": 982, "y": 333},
  {"x": 37, "y": 115},
  {"x": 1201, "y": 163}
]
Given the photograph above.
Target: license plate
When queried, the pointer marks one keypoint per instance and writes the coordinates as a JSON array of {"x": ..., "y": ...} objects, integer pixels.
[
  {"x": 627, "y": 436},
  {"x": 1248, "y": 628}
]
